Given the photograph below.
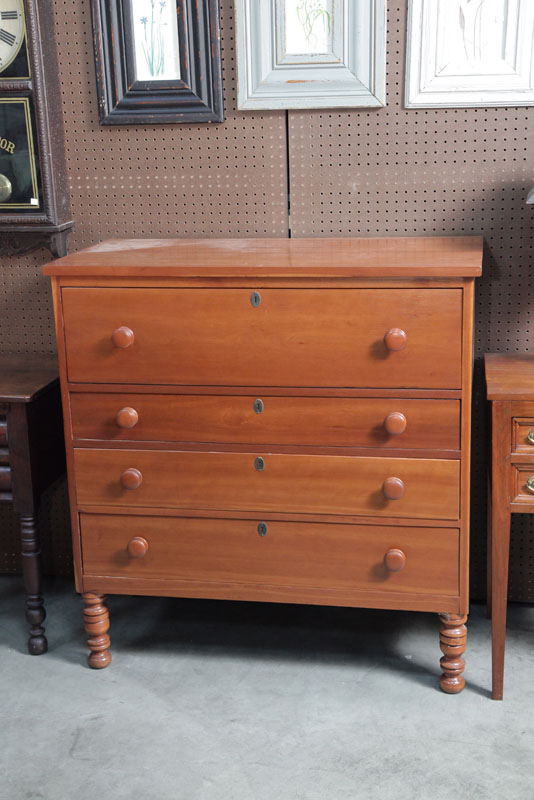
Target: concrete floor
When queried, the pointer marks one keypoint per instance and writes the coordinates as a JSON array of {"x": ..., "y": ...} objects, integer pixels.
[{"x": 232, "y": 701}]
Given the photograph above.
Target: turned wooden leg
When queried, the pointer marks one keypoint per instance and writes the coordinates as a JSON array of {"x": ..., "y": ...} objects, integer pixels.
[
  {"x": 31, "y": 568},
  {"x": 96, "y": 623},
  {"x": 452, "y": 640}
]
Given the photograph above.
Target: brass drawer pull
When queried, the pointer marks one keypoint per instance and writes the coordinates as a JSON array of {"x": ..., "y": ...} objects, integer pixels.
[
  {"x": 530, "y": 437},
  {"x": 530, "y": 484}
]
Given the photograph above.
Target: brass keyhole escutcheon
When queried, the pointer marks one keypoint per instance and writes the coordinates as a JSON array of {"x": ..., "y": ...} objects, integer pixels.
[
  {"x": 255, "y": 299},
  {"x": 262, "y": 528},
  {"x": 258, "y": 406},
  {"x": 259, "y": 463}
]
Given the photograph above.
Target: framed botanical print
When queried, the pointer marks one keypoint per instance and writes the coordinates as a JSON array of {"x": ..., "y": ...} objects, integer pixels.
[
  {"x": 464, "y": 53},
  {"x": 310, "y": 53},
  {"x": 158, "y": 61}
]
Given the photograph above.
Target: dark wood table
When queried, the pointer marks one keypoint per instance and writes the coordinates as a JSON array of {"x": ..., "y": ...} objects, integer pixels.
[
  {"x": 510, "y": 389},
  {"x": 32, "y": 457}
]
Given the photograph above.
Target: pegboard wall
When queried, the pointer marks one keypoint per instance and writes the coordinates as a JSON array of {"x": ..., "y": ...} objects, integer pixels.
[{"x": 386, "y": 172}]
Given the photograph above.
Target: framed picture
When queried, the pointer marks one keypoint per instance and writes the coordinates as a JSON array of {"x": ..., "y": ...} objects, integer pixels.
[
  {"x": 157, "y": 61},
  {"x": 310, "y": 53},
  {"x": 470, "y": 53}
]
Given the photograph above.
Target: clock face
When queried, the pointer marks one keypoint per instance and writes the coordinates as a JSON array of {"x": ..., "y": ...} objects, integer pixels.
[{"x": 12, "y": 33}]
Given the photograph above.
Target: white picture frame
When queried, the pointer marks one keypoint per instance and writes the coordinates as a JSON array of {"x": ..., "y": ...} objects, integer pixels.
[
  {"x": 345, "y": 65},
  {"x": 467, "y": 53}
]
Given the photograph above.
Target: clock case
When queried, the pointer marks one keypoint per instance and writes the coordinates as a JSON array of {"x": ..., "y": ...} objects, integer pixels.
[{"x": 22, "y": 232}]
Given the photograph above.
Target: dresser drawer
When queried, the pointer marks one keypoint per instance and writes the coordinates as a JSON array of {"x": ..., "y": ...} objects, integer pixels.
[
  {"x": 287, "y": 553},
  {"x": 268, "y": 482},
  {"x": 310, "y": 421},
  {"x": 293, "y": 337}
]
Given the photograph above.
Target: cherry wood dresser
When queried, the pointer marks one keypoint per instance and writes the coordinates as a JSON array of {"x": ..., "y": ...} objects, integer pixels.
[{"x": 271, "y": 420}]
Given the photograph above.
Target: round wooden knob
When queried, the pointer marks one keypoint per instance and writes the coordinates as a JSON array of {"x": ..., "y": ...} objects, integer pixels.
[
  {"x": 127, "y": 417},
  {"x": 123, "y": 337},
  {"x": 395, "y": 559},
  {"x": 137, "y": 547},
  {"x": 395, "y": 423},
  {"x": 131, "y": 478},
  {"x": 393, "y": 488},
  {"x": 395, "y": 339}
]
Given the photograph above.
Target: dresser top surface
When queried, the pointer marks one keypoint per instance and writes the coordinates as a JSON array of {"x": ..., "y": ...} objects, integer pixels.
[
  {"x": 509, "y": 376},
  {"x": 439, "y": 257}
]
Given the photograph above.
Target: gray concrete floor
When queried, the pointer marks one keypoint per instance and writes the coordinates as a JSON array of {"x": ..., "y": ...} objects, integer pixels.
[{"x": 231, "y": 701}]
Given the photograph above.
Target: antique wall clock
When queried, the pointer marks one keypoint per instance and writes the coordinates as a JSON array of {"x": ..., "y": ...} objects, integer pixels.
[{"x": 34, "y": 203}]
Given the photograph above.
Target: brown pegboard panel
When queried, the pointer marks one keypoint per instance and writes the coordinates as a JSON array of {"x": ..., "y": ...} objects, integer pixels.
[
  {"x": 221, "y": 180},
  {"x": 395, "y": 172}
]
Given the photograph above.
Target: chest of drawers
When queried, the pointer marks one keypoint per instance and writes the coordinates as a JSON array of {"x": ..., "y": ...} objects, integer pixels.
[{"x": 271, "y": 420}]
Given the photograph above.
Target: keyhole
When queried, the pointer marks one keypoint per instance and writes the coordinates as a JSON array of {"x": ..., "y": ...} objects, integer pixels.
[
  {"x": 255, "y": 299},
  {"x": 262, "y": 528},
  {"x": 259, "y": 463},
  {"x": 258, "y": 406}
]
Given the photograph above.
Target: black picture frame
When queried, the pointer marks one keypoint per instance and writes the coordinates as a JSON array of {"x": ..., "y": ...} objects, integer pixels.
[{"x": 124, "y": 100}]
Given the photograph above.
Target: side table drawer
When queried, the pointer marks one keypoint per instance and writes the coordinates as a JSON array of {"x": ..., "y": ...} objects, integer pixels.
[
  {"x": 231, "y": 419},
  {"x": 286, "y": 337},
  {"x": 522, "y": 479},
  {"x": 523, "y": 436},
  {"x": 287, "y": 553},
  {"x": 424, "y": 488}
]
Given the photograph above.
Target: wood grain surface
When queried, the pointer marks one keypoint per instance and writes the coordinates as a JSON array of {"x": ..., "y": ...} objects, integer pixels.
[
  {"x": 301, "y": 421},
  {"x": 288, "y": 554},
  {"x": 307, "y": 337},
  {"x": 292, "y": 483},
  {"x": 509, "y": 376},
  {"x": 411, "y": 257}
]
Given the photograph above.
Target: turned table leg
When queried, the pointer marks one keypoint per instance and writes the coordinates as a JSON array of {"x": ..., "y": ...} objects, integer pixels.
[
  {"x": 96, "y": 623},
  {"x": 452, "y": 641},
  {"x": 31, "y": 567}
]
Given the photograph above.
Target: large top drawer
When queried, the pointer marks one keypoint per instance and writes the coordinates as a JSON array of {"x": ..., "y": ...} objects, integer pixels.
[{"x": 265, "y": 337}]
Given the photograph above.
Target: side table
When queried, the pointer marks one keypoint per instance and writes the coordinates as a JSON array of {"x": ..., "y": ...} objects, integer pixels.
[
  {"x": 510, "y": 390},
  {"x": 32, "y": 457}
]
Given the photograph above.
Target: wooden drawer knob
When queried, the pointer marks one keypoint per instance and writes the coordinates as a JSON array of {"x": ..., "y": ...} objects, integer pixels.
[
  {"x": 123, "y": 337},
  {"x": 395, "y": 560},
  {"x": 395, "y": 423},
  {"x": 395, "y": 339},
  {"x": 127, "y": 417},
  {"x": 393, "y": 488},
  {"x": 131, "y": 478},
  {"x": 137, "y": 547}
]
